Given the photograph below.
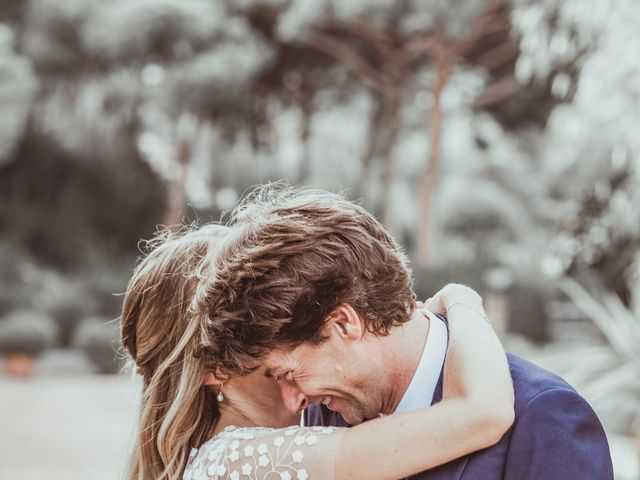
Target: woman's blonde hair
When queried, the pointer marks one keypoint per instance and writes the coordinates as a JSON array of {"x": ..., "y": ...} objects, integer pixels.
[{"x": 161, "y": 332}]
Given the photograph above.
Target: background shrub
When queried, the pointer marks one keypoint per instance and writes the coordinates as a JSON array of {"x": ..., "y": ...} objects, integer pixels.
[
  {"x": 100, "y": 340},
  {"x": 26, "y": 332}
]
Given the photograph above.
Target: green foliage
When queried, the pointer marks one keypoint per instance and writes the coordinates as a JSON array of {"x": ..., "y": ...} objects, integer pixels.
[
  {"x": 123, "y": 30},
  {"x": 589, "y": 151},
  {"x": 18, "y": 85},
  {"x": 26, "y": 332},
  {"x": 66, "y": 212},
  {"x": 51, "y": 35}
]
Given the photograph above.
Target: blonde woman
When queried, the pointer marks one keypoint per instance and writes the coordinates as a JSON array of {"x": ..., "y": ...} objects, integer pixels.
[{"x": 189, "y": 429}]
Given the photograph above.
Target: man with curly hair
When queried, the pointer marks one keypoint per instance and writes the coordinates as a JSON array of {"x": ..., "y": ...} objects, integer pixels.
[{"x": 316, "y": 289}]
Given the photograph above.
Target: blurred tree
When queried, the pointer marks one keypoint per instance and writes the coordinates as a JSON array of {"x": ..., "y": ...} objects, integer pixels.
[
  {"x": 237, "y": 72},
  {"x": 49, "y": 34},
  {"x": 161, "y": 104},
  {"x": 571, "y": 174},
  {"x": 482, "y": 215},
  {"x": 386, "y": 44},
  {"x": 590, "y": 148}
]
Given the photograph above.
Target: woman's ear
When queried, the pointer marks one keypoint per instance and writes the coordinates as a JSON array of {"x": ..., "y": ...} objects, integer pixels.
[
  {"x": 214, "y": 378},
  {"x": 210, "y": 379},
  {"x": 346, "y": 322}
]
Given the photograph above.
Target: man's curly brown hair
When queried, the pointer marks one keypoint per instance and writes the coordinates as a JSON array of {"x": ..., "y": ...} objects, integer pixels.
[{"x": 293, "y": 256}]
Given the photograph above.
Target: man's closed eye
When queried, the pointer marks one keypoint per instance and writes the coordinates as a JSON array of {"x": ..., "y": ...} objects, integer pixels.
[{"x": 287, "y": 376}]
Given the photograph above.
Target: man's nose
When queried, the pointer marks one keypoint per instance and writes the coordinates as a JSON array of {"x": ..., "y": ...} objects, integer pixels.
[{"x": 293, "y": 398}]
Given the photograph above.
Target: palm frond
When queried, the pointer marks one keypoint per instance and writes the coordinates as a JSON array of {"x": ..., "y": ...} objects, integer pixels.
[{"x": 607, "y": 374}]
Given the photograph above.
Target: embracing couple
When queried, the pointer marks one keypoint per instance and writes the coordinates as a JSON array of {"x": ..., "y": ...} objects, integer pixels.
[{"x": 288, "y": 344}]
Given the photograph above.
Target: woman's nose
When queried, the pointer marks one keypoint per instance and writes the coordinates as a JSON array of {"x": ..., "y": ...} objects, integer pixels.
[{"x": 294, "y": 400}]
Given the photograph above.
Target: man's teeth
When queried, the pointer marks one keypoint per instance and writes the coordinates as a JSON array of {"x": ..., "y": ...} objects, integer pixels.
[{"x": 326, "y": 400}]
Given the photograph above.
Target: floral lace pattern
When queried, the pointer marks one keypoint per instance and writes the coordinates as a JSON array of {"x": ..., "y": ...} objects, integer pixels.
[{"x": 293, "y": 453}]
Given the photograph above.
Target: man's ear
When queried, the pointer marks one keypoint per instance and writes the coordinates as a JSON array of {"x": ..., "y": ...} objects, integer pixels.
[{"x": 346, "y": 323}]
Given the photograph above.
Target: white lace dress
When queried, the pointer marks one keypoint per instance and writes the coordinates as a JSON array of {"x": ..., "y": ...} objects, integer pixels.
[{"x": 293, "y": 453}]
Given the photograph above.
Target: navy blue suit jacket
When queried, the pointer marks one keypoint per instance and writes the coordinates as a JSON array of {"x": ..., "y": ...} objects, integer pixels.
[{"x": 556, "y": 435}]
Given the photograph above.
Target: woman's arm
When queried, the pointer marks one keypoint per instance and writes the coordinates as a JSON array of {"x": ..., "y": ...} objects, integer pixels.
[{"x": 476, "y": 410}]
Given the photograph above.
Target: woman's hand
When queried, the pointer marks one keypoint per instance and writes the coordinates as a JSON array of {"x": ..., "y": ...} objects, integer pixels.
[
  {"x": 474, "y": 351},
  {"x": 454, "y": 295}
]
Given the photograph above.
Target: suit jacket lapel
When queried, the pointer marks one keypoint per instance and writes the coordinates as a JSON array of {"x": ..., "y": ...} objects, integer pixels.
[{"x": 437, "y": 394}]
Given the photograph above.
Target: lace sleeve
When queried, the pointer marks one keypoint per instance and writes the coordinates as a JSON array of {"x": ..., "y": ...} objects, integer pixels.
[{"x": 294, "y": 453}]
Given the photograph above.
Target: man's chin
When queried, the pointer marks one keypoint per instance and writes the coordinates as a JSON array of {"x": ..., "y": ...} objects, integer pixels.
[
  {"x": 352, "y": 414},
  {"x": 352, "y": 418}
]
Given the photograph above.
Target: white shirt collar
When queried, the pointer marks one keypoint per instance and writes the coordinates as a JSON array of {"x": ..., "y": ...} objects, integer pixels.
[{"x": 425, "y": 379}]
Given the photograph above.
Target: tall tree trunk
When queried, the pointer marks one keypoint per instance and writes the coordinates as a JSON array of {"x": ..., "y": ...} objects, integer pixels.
[
  {"x": 397, "y": 104},
  {"x": 376, "y": 120},
  {"x": 177, "y": 194},
  {"x": 305, "y": 133},
  {"x": 429, "y": 180}
]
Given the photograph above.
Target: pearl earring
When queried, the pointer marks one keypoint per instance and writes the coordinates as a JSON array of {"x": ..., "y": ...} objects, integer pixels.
[{"x": 220, "y": 396}]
